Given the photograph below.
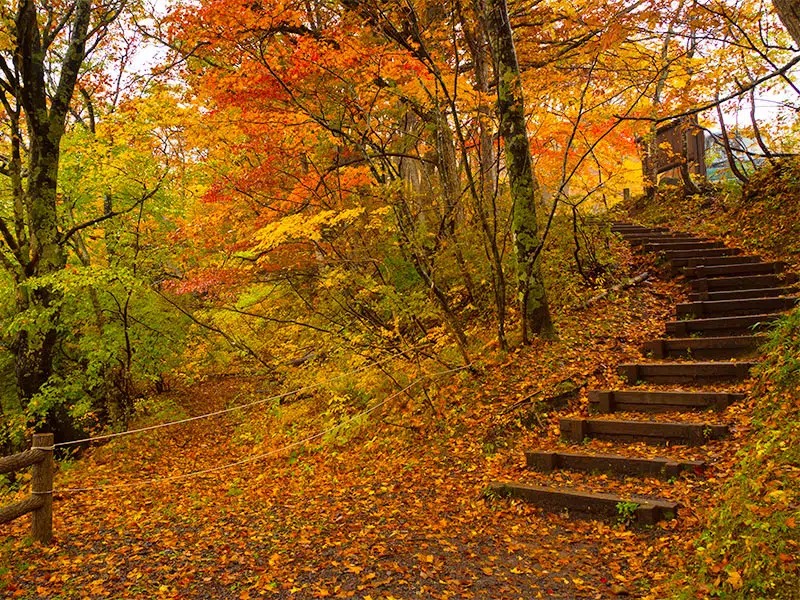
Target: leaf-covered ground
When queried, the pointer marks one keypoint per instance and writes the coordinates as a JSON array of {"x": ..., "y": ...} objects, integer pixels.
[{"x": 392, "y": 506}]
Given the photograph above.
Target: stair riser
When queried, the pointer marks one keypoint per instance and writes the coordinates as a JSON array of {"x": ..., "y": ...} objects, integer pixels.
[
  {"x": 546, "y": 462},
  {"x": 754, "y": 306},
  {"x": 685, "y": 373},
  {"x": 659, "y": 235},
  {"x": 728, "y": 326},
  {"x": 693, "y": 349},
  {"x": 678, "y": 264},
  {"x": 654, "y": 433},
  {"x": 744, "y": 270},
  {"x": 608, "y": 401},
  {"x": 637, "y": 229},
  {"x": 742, "y": 294},
  {"x": 722, "y": 284},
  {"x": 682, "y": 246},
  {"x": 709, "y": 252},
  {"x": 663, "y": 240},
  {"x": 587, "y": 504}
]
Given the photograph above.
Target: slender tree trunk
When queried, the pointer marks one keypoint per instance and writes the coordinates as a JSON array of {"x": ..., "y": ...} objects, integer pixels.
[
  {"x": 726, "y": 144},
  {"x": 451, "y": 184},
  {"x": 535, "y": 313},
  {"x": 651, "y": 144},
  {"x": 485, "y": 196},
  {"x": 757, "y": 130}
]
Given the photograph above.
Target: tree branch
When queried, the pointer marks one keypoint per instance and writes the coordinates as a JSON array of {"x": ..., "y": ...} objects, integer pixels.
[
  {"x": 703, "y": 107},
  {"x": 109, "y": 215}
]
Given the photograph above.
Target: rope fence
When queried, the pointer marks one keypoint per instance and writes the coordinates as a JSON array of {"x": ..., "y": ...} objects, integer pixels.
[
  {"x": 257, "y": 457},
  {"x": 40, "y": 457},
  {"x": 224, "y": 411}
]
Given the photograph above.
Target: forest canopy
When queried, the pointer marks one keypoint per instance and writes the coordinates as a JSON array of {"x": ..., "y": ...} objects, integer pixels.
[{"x": 335, "y": 182}]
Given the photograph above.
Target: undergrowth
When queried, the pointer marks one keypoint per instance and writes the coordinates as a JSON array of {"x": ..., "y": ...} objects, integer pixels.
[{"x": 751, "y": 544}]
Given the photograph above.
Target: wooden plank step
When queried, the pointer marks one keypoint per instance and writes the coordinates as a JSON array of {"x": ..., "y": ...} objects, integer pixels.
[
  {"x": 649, "y": 432},
  {"x": 656, "y": 235},
  {"x": 721, "y": 326},
  {"x": 758, "y": 268},
  {"x": 609, "y": 401},
  {"x": 663, "y": 246},
  {"x": 648, "y": 512},
  {"x": 639, "y": 231},
  {"x": 743, "y": 306},
  {"x": 721, "y": 284},
  {"x": 665, "y": 468},
  {"x": 707, "y": 252},
  {"x": 708, "y": 261},
  {"x": 742, "y": 294},
  {"x": 686, "y": 372},
  {"x": 652, "y": 239},
  {"x": 705, "y": 348},
  {"x": 630, "y": 227}
]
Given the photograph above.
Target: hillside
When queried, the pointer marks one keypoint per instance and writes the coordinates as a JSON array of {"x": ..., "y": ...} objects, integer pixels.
[
  {"x": 393, "y": 504},
  {"x": 305, "y": 297}
]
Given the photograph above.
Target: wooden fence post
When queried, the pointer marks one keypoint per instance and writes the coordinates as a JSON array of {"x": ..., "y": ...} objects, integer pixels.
[{"x": 42, "y": 486}]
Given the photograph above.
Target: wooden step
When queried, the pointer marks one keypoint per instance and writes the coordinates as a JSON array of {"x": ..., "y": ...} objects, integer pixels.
[
  {"x": 705, "y": 348},
  {"x": 744, "y": 306},
  {"x": 655, "y": 235},
  {"x": 686, "y": 372},
  {"x": 649, "y": 432},
  {"x": 609, "y": 401},
  {"x": 639, "y": 231},
  {"x": 666, "y": 468},
  {"x": 653, "y": 239},
  {"x": 664, "y": 247},
  {"x": 677, "y": 264},
  {"x": 647, "y": 512},
  {"x": 757, "y": 268},
  {"x": 702, "y": 253},
  {"x": 721, "y": 326},
  {"x": 742, "y": 294},
  {"x": 630, "y": 227},
  {"x": 720, "y": 284}
]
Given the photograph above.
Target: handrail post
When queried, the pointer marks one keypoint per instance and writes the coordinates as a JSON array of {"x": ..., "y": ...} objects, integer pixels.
[{"x": 42, "y": 486}]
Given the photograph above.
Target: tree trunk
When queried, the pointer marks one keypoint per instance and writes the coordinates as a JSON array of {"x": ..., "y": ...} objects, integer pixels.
[
  {"x": 789, "y": 14},
  {"x": 38, "y": 245},
  {"x": 535, "y": 313},
  {"x": 484, "y": 197},
  {"x": 451, "y": 188}
]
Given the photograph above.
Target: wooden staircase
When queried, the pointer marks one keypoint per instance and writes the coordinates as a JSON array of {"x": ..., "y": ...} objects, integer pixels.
[{"x": 734, "y": 297}]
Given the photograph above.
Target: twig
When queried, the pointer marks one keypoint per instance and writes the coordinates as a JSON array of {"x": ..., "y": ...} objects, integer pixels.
[{"x": 625, "y": 284}]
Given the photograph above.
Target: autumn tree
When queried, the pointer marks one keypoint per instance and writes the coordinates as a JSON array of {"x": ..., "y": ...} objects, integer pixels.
[
  {"x": 535, "y": 312},
  {"x": 35, "y": 117},
  {"x": 43, "y": 59}
]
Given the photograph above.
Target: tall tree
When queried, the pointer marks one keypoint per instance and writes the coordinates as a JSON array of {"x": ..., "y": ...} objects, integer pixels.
[
  {"x": 522, "y": 180},
  {"x": 39, "y": 72}
]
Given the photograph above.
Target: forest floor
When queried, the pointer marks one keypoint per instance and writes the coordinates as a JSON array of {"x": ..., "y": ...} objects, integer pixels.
[{"x": 391, "y": 506}]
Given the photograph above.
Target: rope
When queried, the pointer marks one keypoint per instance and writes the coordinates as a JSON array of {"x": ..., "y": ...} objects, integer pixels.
[
  {"x": 142, "y": 483},
  {"x": 222, "y": 411}
]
